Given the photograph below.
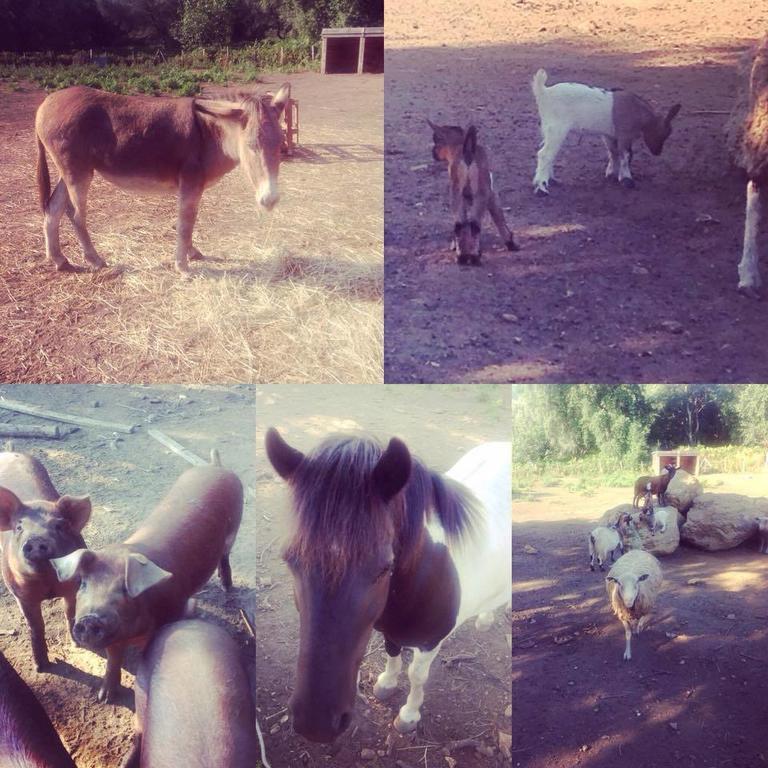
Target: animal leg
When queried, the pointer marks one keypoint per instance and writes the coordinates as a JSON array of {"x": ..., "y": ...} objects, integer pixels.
[
  {"x": 749, "y": 266},
  {"x": 497, "y": 214},
  {"x": 69, "y": 609},
  {"x": 628, "y": 639},
  {"x": 625, "y": 158},
  {"x": 225, "y": 572},
  {"x": 57, "y": 205},
  {"x": 190, "y": 192},
  {"x": 78, "y": 194},
  {"x": 194, "y": 255},
  {"x": 386, "y": 683},
  {"x": 34, "y": 616},
  {"x": 111, "y": 681},
  {"x": 484, "y": 621},
  {"x": 418, "y": 673},
  {"x": 553, "y": 136},
  {"x": 643, "y": 623},
  {"x": 612, "y": 169}
]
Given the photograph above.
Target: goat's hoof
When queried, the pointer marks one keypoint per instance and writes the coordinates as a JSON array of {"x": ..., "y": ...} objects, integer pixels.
[
  {"x": 628, "y": 183},
  {"x": 592, "y": 568},
  {"x": 195, "y": 255},
  {"x": 751, "y": 292},
  {"x": 66, "y": 266},
  {"x": 512, "y": 245},
  {"x": 541, "y": 192},
  {"x": 405, "y": 726}
]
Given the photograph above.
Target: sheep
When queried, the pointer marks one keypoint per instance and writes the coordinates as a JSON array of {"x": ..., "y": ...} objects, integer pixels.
[
  {"x": 471, "y": 190},
  {"x": 606, "y": 539},
  {"x": 633, "y": 584},
  {"x": 619, "y": 116},
  {"x": 762, "y": 530},
  {"x": 748, "y": 142},
  {"x": 646, "y": 486}
]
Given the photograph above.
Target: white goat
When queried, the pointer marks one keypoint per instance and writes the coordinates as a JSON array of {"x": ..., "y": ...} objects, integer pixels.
[
  {"x": 604, "y": 541},
  {"x": 633, "y": 585},
  {"x": 620, "y": 117},
  {"x": 663, "y": 517}
]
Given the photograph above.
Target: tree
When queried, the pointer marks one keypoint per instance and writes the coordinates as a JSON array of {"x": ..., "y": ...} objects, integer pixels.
[
  {"x": 752, "y": 408},
  {"x": 205, "y": 22}
]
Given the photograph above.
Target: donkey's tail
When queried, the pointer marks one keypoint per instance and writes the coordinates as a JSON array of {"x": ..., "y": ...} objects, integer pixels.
[
  {"x": 43, "y": 177},
  {"x": 538, "y": 84}
]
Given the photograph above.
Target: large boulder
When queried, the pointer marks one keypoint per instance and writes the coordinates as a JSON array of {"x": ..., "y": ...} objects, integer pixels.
[
  {"x": 682, "y": 490},
  {"x": 722, "y": 520},
  {"x": 658, "y": 543}
]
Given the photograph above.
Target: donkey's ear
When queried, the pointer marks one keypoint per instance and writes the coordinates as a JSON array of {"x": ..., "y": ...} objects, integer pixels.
[
  {"x": 227, "y": 110},
  {"x": 393, "y": 469},
  {"x": 470, "y": 145},
  {"x": 280, "y": 99},
  {"x": 673, "y": 112},
  {"x": 9, "y": 505},
  {"x": 282, "y": 456}
]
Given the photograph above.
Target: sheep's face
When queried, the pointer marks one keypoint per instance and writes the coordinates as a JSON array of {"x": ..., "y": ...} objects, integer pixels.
[
  {"x": 629, "y": 588},
  {"x": 658, "y": 131}
]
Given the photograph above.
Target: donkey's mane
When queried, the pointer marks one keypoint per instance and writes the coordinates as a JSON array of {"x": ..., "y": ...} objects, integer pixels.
[{"x": 340, "y": 517}]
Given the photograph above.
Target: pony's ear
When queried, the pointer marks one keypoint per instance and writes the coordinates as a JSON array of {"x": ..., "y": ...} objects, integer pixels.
[
  {"x": 282, "y": 456},
  {"x": 470, "y": 145},
  {"x": 75, "y": 509},
  {"x": 9, "y": 505},
  {"x": 673, "y": 112},
  {"x": 393, "y": 469},
  {"x": 227, "y": 110},
  {"x": 280, "y": 99}
]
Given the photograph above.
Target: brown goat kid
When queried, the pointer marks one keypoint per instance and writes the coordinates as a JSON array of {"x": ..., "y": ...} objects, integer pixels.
[
  {"x": 471, "y": 190},
  {"x": 648, "y": 486}
]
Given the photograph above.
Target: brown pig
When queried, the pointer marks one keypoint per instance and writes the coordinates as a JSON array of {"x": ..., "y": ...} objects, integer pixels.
[
  {"x": 206, "y": 719},
  {"x": 36, "y": 524},
  {"x": 128, "y": 590},
  {"x": 27, "y": 737}
]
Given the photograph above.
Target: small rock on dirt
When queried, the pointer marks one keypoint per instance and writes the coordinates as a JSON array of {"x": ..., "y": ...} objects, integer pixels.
[
  {"x": 671, "y": 326},
  {"x": 529, "y": 550}
]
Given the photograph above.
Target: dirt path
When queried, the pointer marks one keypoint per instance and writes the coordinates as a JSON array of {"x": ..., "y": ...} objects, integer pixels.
[
  {"x": 290, "y": 296},
  {"x": 601, "y": 268},
  {"x": 126, "y": 476},
  {"x": 467, "y": 700},
  {"x": 692, "y": 695}
]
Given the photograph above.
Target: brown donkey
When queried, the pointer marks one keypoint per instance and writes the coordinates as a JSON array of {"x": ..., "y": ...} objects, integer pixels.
[
  {"x": 150, "y": 144},
  {"x": 471, "y": 190}
]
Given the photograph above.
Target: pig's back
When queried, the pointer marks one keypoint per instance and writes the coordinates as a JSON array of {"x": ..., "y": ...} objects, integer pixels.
[
  {"x": 201, "y": 720},
  {"x": 26, "y": 477}
]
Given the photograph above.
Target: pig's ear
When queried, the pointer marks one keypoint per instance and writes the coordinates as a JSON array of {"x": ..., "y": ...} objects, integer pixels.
[
  {"x": 284, "y": 459},
  {"x": 66, "y": 567},
  {"x": 9, "y": 506},
  {"x": 75, "y": 509},
  {"x": 141, "y": 574}
]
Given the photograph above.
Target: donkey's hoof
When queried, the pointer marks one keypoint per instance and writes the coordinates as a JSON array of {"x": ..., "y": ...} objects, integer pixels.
[
  {"x": 405, "y": 726},
  {"x": 97, "y": 262},
  {"x": 195, "y": 255},
  {"x": 628, "y": 183},
  {"x": 66, "y": 266},
  {"x": 383, "y": 693},
  {"x": 751, "y": 292}
]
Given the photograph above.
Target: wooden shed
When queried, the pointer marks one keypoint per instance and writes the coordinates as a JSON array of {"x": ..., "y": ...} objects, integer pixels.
[
  {"x": 352, "y": 50},
  {"x": 687, "y": 460}
]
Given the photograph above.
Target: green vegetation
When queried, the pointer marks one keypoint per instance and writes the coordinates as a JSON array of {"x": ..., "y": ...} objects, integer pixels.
[{"x": 585, "y": 436}]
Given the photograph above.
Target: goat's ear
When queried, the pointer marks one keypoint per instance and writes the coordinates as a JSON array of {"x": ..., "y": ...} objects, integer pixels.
[
  {"x": 673, "y": 112},
  {"x": 282, "y": 456},
  {"x": 470, "y": 144}
]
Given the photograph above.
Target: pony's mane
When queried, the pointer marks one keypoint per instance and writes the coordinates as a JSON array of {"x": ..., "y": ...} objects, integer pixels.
[{"x": 339, "y": 515}]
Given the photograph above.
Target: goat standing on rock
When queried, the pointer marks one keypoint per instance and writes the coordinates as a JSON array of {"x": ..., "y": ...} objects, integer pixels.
[
  {"x": 646, "y": 486},
  {"x": 620, "y": 117}
]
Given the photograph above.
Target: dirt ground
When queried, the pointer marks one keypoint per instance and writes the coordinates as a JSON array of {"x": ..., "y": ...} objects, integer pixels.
[
  {"x": 295, "y": 295},
  {"x": 126, "y": 475},
  {"x": 468, "y": 699},
  {"x": 693, "y": 693},
  {"x": 602, "y": 269}
]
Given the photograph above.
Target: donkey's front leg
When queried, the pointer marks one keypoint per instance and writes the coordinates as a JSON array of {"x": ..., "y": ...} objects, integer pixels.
[
  {"x": 418, "y": 673},
  {"x": 749, "y": 269},
  {"x": 386, "y": 683},
  {"x": 190, "y": 192}
]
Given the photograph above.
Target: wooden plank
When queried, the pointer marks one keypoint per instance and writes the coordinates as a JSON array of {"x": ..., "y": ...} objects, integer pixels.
[
  {"x": 177, "y": 448},
  {"x": 68, "y": 418},
  {"x": 53, "y": 432}
]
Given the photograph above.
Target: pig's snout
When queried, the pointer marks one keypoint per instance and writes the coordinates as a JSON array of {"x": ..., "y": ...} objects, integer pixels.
[
  {"x": 92, "y": 631},
  {"x": 319, "y": 726},
  {"x": 37, "y": 549}
]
